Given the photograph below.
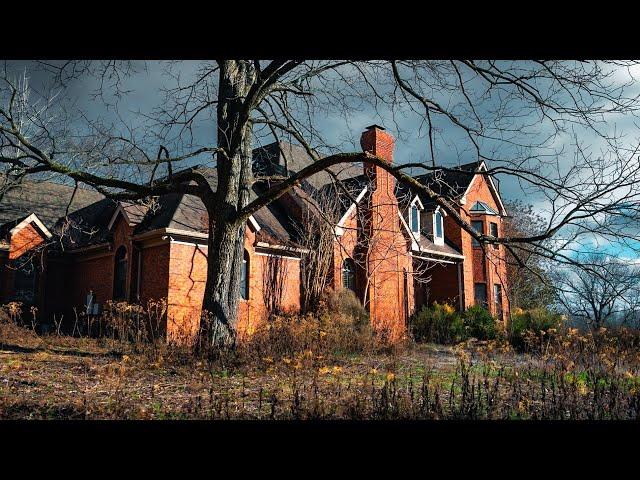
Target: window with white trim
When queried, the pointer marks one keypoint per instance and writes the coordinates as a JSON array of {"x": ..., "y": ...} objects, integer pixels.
[
  {"x": 438, "y": 227},
  {"x": 415, "y": 218}
]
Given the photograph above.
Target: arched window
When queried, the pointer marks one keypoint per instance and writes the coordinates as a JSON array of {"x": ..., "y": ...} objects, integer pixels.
[
  {"x": 438, "y": 225},
  {"x": 349, "y": 274},
  {"x": 415, "y": 219},
  {"x": 244, "y": 277},
  {"x": 120, "y": 274}
]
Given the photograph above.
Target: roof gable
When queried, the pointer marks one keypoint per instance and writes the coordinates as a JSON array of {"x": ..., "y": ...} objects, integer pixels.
[
  {"x": 482, "y": 207},
  {"x": 11, "y": 228}
]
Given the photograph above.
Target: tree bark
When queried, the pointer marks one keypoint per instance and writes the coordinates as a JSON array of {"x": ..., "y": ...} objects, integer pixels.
[{"x": 226, "y": 232}]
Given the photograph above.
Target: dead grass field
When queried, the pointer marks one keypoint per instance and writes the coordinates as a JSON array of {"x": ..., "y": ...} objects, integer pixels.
[{"x": 55, "y": 377}]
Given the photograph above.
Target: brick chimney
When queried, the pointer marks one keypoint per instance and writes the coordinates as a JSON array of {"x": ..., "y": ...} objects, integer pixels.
[
  {"x": 377, "y": 141},
  {"x": 387, "y": 245}
]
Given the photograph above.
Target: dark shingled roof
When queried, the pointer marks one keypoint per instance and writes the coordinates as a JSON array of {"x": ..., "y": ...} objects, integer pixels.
[
  {"x": 175, "y": 211},
  {"x": 86, "y": 226},
  {"x": 48, "y": 200},
  {"x": 90, "y": 212},
  {"x": 450, "y": 183},
  {"x": 346, "y": 191},
  {"x": 279, "y": 158},
  {"x": 430, "y": 247}
]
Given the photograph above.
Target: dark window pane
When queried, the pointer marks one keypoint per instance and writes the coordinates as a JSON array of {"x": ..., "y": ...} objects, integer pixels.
[
  {"x": 349, "y": 274},
  {"x": 244, "y": 277},
  {"x": 415, "y": 221},
  {"x": 120, "y": 274},
  {"x": 24, "y": 286},
  {"x": 493, "y": 228},
  {"x": 477, "y": 225},
  {"x": 480, "y": 294}
]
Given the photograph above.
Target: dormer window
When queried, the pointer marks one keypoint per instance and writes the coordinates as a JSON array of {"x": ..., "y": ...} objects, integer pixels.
[
  {"x": 438, "y": 225},
  {"x": 415, "y": 219},
  {"x": 414, "y": 215}
]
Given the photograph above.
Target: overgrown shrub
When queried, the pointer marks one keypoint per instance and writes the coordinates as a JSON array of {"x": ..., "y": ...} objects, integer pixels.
[
  {"x": 304, "y": 338},
  {"x": 344, "y": 302},
  {"x": 530, "y": 328},
  {"x": 341, "y": 326},
  {"x": 480, "y": 324},
  {"x": 439, "y": 323}
]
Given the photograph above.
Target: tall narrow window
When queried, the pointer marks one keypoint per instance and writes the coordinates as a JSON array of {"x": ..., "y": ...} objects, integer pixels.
[
  {"x": 478, "y": 226},
  {"x": 349, "y": 274},
  {"x": 24, "y": 280},
  {"x": 120, "y": 274},
  {"x": 480, "y": 294},
  {"x": 493, "y": 229},
  {"x": 438, "y": 217},
  {"x": 415, "y": 219},
  {"x": 497, "y": 299},
  {"x": 244, "y": 277}
]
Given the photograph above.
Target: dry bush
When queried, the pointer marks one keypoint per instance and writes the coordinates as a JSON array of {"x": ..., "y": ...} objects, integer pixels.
[{"x": 340, "y": 327}]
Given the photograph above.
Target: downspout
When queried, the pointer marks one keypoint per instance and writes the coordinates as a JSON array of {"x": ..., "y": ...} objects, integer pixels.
[
  {"x": 460, "y": 289},
  {"x": 138, "y": 271}
]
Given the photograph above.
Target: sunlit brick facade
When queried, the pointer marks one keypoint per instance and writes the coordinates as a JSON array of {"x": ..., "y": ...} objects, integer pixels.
[{"x": 388, "y": 249}]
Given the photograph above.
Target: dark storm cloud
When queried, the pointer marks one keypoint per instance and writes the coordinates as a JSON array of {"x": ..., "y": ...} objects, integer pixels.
[{"x": 144, "y": 94}]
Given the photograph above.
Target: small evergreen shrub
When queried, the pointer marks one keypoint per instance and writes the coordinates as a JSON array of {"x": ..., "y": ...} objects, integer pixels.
[
  {"x": 439, "y": 323},
  {"x": 480, "y": 324}
]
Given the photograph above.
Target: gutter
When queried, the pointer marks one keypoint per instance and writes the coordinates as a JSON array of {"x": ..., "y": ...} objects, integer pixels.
[
  {"x": 282, "y": 247},
  {"x": 435, "y": 252},
  {"x": 431, "y": 259}
]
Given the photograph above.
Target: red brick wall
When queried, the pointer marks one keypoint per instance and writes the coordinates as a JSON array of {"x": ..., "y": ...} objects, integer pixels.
[
  {"x": 388, "y": 262},
  {"x": 489, "y": 266},
  {"x": 24, "y": 240},
  {"x": 154, "y": 273},
  {"x": 444, "y": 286},
  {"x": 187, "y": 279}
]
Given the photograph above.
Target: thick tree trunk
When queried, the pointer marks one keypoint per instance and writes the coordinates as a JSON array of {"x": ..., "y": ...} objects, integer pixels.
[{"x": 226, "y": 233}]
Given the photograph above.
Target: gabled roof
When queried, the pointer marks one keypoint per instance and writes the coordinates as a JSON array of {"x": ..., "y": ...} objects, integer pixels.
[
  {"x": 345, "y": 191},
  {"x": 420, "y": 244},
  {"x": 92, "y": 224},
  {"x": 7, "y": 230},
  {"x": 453, "y": 183}
]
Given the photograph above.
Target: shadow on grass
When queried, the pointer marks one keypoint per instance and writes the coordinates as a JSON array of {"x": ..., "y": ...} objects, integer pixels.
[{"x": 59, "y": 351}]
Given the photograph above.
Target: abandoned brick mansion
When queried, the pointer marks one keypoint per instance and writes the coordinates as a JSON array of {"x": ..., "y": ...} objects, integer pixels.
[{"x": 394, "y": 248}]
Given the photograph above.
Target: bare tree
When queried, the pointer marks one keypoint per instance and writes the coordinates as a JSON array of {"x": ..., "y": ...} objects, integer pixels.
[
  {"x": 603, "y": 291},
  {"x": 316, "y": 233},
  {"x": 273, "y": 283},
  {"x": 529, "y": 284},
  {"x": 519, "y": 115}
]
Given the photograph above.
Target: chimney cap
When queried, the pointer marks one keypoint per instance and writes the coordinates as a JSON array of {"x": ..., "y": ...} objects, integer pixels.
[{"x": 371, "y": 127}]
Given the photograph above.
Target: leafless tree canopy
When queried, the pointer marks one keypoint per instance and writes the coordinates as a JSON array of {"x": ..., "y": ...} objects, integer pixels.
[{"x": 605, "y": 291}]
